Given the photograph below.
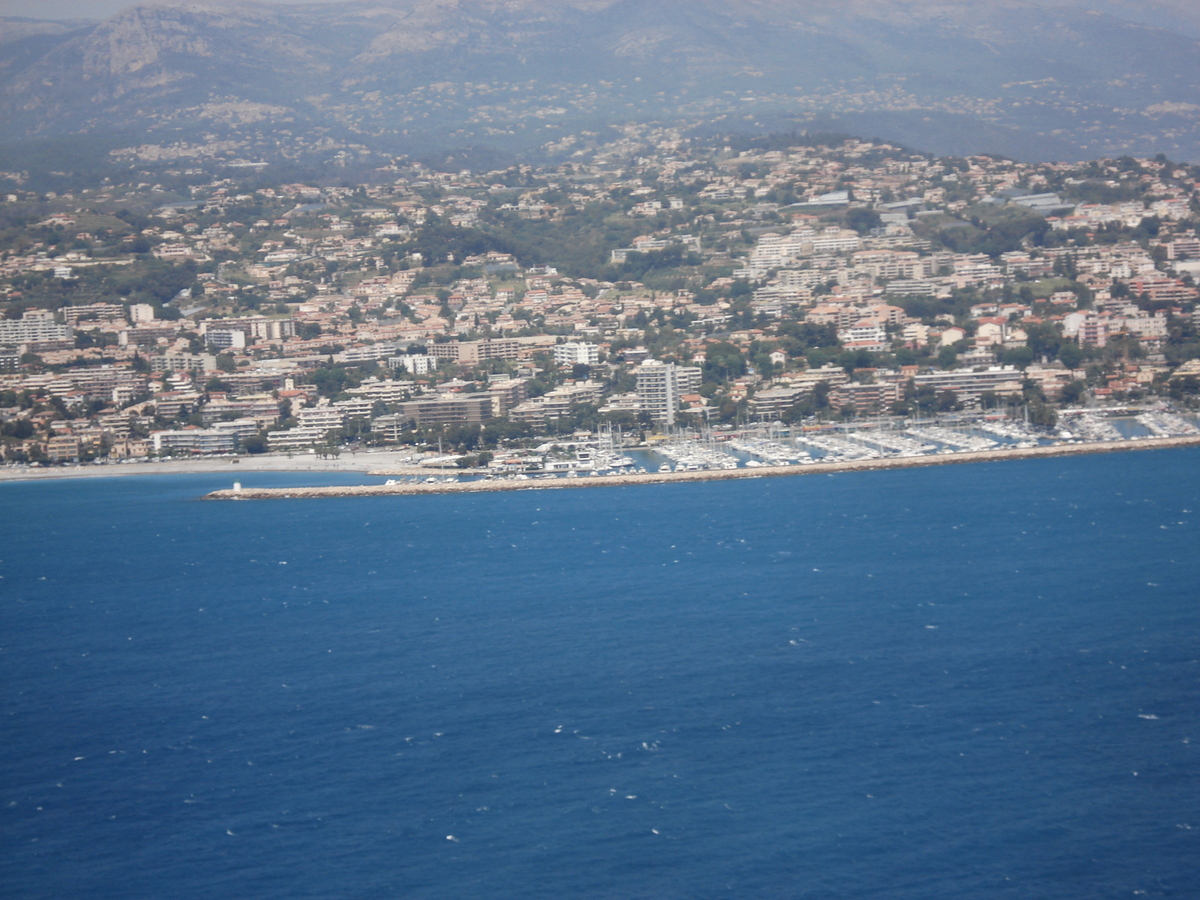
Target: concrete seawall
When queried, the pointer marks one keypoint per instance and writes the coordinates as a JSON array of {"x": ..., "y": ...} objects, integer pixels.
[{"x": 908, "y": 462}]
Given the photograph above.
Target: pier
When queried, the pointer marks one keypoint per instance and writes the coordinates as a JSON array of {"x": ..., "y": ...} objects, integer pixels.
[{"x": 816, "y": 468}]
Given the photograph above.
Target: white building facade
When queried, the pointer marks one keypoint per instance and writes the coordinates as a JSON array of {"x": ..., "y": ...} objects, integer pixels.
[
  {"x": 660, "y": 386},
  {"x": 576, "y": 353}
]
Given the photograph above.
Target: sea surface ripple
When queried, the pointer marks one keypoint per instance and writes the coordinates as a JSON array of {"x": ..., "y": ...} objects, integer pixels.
[{"x": 976, "y": 681}]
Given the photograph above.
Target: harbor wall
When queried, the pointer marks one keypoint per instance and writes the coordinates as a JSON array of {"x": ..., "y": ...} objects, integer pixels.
[{"x": 817, "y": 468}]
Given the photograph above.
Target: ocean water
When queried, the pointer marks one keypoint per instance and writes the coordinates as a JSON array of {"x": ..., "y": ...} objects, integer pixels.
[{"x": 970, "y": 681}]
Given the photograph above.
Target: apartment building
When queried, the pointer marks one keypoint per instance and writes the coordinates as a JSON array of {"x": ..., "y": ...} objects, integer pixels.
[
  {"x": 661, "y": 385},
  {"x": 576, "y": 353},
  {"x": 448, "y": 410},
  {"x": 36, "y": 326},
  {"x": 469, "y": 353},
  {"x": 968, "y": 385}
]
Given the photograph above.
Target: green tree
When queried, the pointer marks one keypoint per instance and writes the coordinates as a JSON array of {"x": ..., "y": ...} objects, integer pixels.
[
  {"x": 1043, "y": 414},
  {"x": 1070, "y": 354},
  {"x": 947, "y": 401},
  {"x": 862, "y": 219},
  {"x": 1073, "y": 392},
  {"x": 1021, "y": 357}
]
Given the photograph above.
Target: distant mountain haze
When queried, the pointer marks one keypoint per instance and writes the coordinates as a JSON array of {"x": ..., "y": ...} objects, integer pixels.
[{"x": 1028, "y": 78}]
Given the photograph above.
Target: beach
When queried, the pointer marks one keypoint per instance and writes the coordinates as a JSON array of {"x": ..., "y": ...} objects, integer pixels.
[{"x": 362, "y": 462}]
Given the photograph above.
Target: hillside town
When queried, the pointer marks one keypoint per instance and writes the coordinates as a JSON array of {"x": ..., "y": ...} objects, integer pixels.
[{"x": 645, "y": 287}]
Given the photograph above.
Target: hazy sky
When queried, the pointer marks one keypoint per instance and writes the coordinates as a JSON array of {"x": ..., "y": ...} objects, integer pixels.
[
  {"x": 63, "y": 9},
  {"x": 1178, "y": 14},
  {"x": 78, "y": 9}
]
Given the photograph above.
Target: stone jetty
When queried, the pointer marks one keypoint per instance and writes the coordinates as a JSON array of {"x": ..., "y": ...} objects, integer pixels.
[{"x": 816, "y": 468}]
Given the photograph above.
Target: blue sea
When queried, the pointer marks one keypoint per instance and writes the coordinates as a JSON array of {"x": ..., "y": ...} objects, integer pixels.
[{"x": 968, "y": 681}]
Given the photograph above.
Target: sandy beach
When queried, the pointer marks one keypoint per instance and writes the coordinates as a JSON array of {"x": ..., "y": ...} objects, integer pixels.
[{"x": 362, "y": 462}]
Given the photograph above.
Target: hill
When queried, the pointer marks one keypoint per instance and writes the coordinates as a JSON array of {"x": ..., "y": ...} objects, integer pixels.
[{"x": 1034, "y": 80}]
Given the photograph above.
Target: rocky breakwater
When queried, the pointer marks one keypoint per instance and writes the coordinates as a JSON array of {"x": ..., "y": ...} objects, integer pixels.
[{"x": 905, "y": 462}]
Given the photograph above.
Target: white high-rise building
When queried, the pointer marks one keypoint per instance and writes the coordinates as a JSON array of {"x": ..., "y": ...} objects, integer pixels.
[
  {"x": 658, "y": 390},
  {"x": 661, "y": 385}
]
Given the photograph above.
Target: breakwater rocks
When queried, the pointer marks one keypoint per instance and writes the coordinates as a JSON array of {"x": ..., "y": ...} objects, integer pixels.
[{"x": 906, "y": 462}]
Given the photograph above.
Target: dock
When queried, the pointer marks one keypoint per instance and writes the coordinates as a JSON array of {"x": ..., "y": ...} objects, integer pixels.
[{"x": 629, "y": 480}]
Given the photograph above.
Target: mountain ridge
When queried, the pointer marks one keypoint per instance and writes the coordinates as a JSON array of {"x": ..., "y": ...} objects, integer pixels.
[{"x": 398, "y": 75}]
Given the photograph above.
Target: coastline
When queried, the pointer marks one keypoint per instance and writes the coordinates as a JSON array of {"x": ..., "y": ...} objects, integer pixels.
[
  {"x": 910, "y": 462},
  {"x": 360, "y": 463}
]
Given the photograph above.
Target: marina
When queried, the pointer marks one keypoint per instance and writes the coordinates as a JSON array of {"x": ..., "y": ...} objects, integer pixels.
[{"x": 414, "y": 487}]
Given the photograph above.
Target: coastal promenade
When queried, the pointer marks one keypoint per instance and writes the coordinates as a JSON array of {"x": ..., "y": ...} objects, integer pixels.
[{"x": 538, "y": 484}]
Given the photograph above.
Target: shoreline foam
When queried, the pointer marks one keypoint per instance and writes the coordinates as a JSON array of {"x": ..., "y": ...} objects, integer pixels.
[{"x": 908, "y": 462}]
